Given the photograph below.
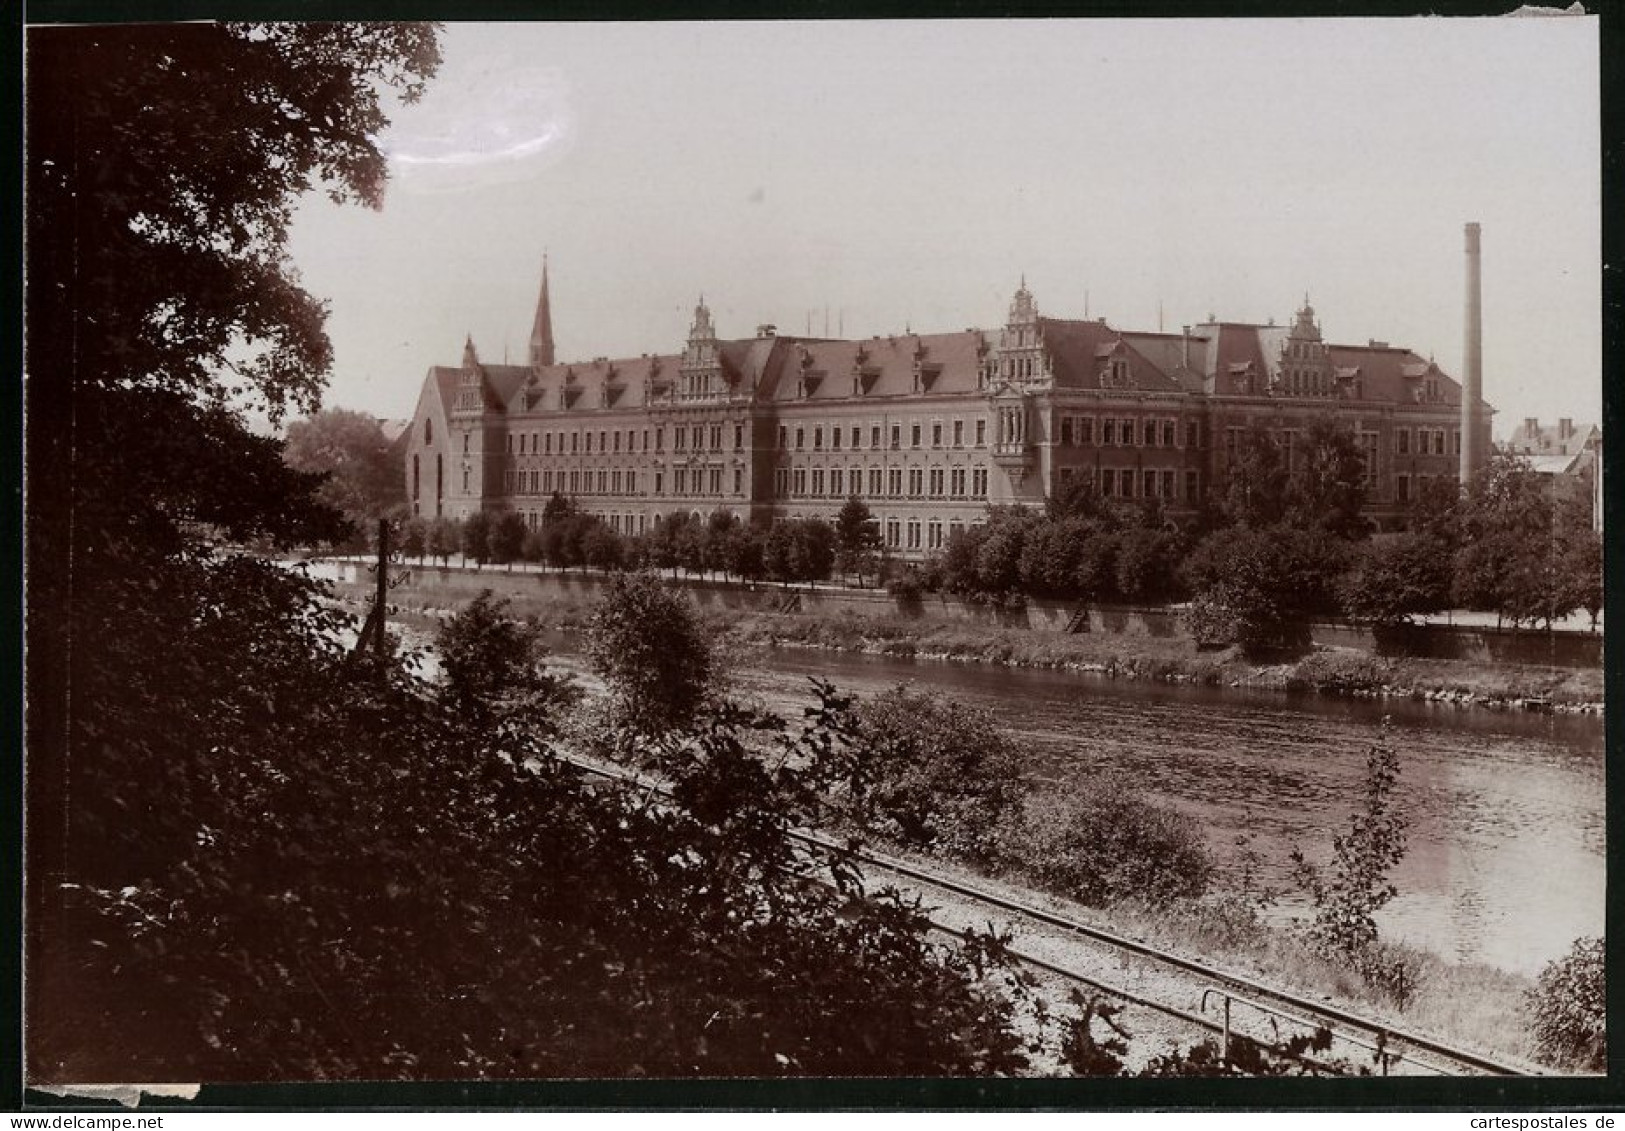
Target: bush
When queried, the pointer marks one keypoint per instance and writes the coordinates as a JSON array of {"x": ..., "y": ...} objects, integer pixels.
[
  {"x": 491, "y": 663},
  {"x": 936, "y": 774},
  {"x": 1569, "y": 1009},
  {"x": 1102, "y": 842},
  {"x": 648, "y": 644}
]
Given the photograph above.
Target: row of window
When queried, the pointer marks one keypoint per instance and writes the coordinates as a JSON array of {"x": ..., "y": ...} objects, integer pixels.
[
  {"x": 693, "y": 437},
  {"x": 1409, "y": 488},
  {"x": 1136, "y": 483},
  {"x": 1426, "y": 442},
  {"x": 1126, "y": 432},
  {"x": 905, "y": 534},
  {"x": 618, "y": 481},
  {"x": 833, "y": 437},
  {"x": 838, "y": 483}
]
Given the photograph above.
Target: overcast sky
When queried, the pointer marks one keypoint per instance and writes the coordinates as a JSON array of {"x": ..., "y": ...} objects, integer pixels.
[{"x": 906, "y": 174}]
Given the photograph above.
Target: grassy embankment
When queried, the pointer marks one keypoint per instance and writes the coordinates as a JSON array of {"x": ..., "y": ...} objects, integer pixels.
[
  {"x": 1173, "y": 660},
  {"x": 1472, "y": 1005},
  {"x": 1343, "y": 672}
]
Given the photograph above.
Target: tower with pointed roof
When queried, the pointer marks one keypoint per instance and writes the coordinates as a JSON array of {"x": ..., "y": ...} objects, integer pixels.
[
  {"x": 541, "y": 331},
  {"x": 701, "y": 369},
  {"x": 1304, "y": 366},
  {"x": 1022, "y": 358}
]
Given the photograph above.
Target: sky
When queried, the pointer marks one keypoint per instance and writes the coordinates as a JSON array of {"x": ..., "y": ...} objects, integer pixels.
[{"x": 908, "y": 175}]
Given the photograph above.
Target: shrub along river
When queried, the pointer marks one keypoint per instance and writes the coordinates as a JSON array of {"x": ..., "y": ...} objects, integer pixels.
[{"x": 1506, "y": 838}]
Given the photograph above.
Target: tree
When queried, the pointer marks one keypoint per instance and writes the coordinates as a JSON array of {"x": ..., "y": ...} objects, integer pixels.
[
  {"x": 443, "y": 538},
  {"x": 163, "y": 164},
  {"x": 647, "y": 643},
  {"x": 350, "y": 449},
  {"x": 857, "y": 538},
  {"x": 601, "y": 547},
  {"x": 1145, "y": 564},
  {"x": 278, "y": 870},
  {"x": 1517, "y": 543},
  {"x": 1253, "y": 486},
  {"x": 800, "y": 549},
  {"x": 1397, "y": 577},
  {"x": 1358, "y": 884},
  {"x": 491, "y": 666},
  {"x": 477, "y": 537},
  {"x": 1328, "y": 490},
  {"x": 1049, "y": 557},
  {"x": 507, "y": 538},
  {"x": 414, "y": 538},
  {"x": 1265, "y": 584}
]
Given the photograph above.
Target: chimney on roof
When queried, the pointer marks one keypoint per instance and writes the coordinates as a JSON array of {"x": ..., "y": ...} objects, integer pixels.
[
  {"x": 1565, "y": 428},
  {"x": 1531, "y": 426},
  {"x": 767, "y": 330},
  {"x": 1472, "y": 386},
  {"x": 1185, "y": 346},
  {"x": 1372, "y": 343}
]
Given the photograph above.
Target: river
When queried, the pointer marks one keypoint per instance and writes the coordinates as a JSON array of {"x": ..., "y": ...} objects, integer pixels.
[{"x": 1506, "y": 809}]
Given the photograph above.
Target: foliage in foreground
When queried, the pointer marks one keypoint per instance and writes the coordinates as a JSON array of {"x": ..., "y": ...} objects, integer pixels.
[
  {"x": 936, "y": 774},
  {"x": 940, "y": 777},
  {"x": 1096, "y": 1042},
  {"x": 374, "y": 887},
  {"x": 1357, "y": 885},
  {"x": 1569, "y": 1009},
  {"x": 1100, "y": 840}
]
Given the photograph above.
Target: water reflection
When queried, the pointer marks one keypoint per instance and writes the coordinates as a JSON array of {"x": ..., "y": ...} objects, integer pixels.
[{"x": 1506, "y": 808}]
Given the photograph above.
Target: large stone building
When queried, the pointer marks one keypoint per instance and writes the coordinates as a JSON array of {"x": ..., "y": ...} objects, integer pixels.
[{"x": 928, "y": 429}]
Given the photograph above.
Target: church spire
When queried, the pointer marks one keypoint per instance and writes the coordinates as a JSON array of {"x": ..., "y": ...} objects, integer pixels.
[{"x": 541, "y": 334}]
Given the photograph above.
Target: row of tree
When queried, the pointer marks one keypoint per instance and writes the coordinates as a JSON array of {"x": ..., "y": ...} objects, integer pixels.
[
  {"x": 1276, "y": 550},
  {"x": 794, "y": 550}
]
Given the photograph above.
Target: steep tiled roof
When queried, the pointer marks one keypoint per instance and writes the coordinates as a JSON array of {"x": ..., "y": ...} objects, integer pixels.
[
  {"x": 584, "y": 384},
  {"x": 1231, "y": 348},
  {"x": 1082, "y": 350},
  {"x": 1394, "y": 375},
  {"x": 824, "y": 370},
  {"x": 1178, "y": 356}
]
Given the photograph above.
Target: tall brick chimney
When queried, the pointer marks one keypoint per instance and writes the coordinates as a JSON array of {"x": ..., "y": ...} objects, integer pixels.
[{"x": 1472, "y": 362}]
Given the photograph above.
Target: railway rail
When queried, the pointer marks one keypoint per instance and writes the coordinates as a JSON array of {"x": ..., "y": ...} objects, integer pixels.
[{"x": 1243, "y": 1006}]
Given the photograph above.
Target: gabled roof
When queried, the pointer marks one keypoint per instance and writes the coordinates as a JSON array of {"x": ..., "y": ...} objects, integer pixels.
[
  {"x": 1550, "y": 439},
  {"x": 586, "y": 383},
  {"x": 886, "y": 366},
  {"x": 1233, "y": 349},
  {"x": 1394, "y": 375},
  {"x": 1081, "y": 350}
]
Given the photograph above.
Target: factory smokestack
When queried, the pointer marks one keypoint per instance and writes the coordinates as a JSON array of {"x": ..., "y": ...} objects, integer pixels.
[{"x": 1472, "y": 362}]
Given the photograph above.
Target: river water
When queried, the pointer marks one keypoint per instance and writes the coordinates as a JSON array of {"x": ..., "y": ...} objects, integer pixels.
[{"x": 1506, "y": 809}]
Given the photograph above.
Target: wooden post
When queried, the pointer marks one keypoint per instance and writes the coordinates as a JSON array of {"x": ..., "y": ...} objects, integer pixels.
[{"x": 379, "y": 639}]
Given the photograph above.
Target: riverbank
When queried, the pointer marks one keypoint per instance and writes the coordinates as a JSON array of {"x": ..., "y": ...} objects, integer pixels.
[
  {"x": 1338, "y": 672},
  {"x": 1333, "y": 671}
]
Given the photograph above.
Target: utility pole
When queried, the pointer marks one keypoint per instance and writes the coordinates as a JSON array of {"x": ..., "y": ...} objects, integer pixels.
[{"x": 372, "y": 632}]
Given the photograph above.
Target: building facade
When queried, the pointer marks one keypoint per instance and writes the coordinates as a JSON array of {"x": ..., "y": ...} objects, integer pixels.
[
  {"x": 929, "y": 430},
  {"x": 1569, "y": 455}
]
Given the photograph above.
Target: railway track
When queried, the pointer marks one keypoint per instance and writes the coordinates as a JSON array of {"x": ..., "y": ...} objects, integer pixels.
[{"x": 1144, "y": 976}]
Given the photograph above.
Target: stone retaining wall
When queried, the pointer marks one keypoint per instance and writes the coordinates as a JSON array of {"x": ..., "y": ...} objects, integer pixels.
[{"x": 535, "y": 592}]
